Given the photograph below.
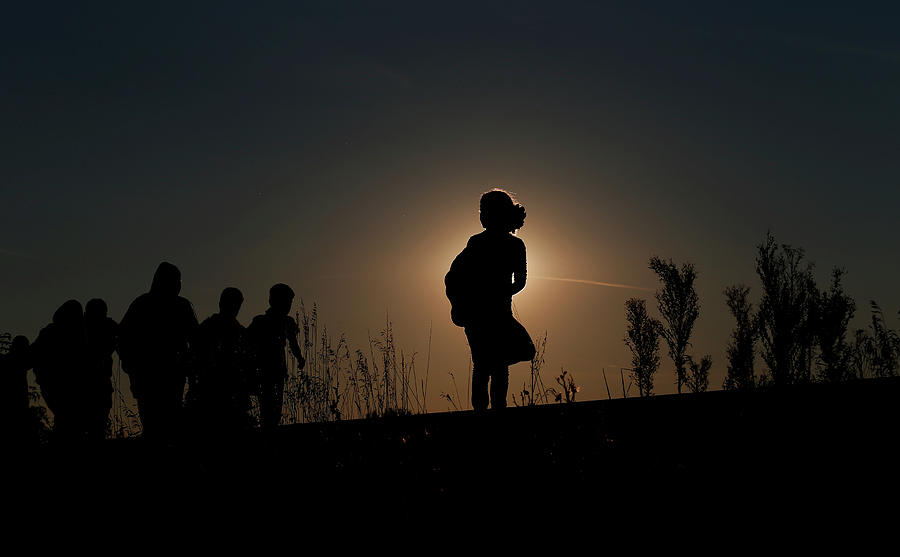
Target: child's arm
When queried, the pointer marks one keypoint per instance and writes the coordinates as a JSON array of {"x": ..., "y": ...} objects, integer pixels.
[
  {"x": 519, "y": 274},
  {"x": 295, "y": 347}
]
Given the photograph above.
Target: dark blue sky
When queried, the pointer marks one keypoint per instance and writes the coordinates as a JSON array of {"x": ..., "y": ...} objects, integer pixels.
[{"x": 342, "y": 147}]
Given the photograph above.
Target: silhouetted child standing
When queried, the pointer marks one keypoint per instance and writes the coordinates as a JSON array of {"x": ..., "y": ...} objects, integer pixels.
[
  {"x": 267, "y": 334},
  {"x": 218, "y": 395},
  {"x": 481, "y": 283}
]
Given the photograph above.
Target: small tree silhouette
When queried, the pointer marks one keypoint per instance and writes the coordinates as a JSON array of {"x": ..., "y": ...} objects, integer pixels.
[
  {"x": 861, "y": 354},
  {"x": 697, "y": 379},
  {"x": 569, "y": 388},
  {"x": 740, "y": 351},
  {"x": 679, "y": 306},
  {"x": 884, "y": 349},
  {"x": 642, "y": 338},
  {"x": 876, "y": 350},
  {"x": 834, "y": 310},
  {"x": 785, "y": 320}
]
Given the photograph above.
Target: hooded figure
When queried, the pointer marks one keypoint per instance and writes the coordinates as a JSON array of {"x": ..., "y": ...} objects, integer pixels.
[{"x": 155, "y": 338}]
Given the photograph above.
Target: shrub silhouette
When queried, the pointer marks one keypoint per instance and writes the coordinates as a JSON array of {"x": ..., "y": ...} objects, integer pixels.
[
  {"x": 697, "y": 379},
  {"x": 568, "y": 386},
  {"x": 642, "y": 338},
  {"x": 833, "y": 311},
  {"x": 784, "y": 319},
  {"x": 741, "y": 350},
  {"x": 679, "y": 306},
  {"x": 878, "y": 349}
]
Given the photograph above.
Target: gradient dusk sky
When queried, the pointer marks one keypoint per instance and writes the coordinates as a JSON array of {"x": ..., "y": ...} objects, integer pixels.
[{"x": 342, "y": 148}]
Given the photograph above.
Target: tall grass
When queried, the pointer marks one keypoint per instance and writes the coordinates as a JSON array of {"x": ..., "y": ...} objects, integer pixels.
[
  {"x": 124, "y": 420},
  {"x": 533, "y": 390},
  {"x": 340, "y": 383},
  {"x": 337, "y": 382}
]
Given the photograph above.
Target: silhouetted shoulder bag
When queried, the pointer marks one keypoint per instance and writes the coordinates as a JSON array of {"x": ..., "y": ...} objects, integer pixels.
[
  {"x": 520, "y": 346},
  {"x": 458, "y": 286}
]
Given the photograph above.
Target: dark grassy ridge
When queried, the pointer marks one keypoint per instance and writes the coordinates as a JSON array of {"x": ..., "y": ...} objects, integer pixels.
[{"x": 803, "y": 444}]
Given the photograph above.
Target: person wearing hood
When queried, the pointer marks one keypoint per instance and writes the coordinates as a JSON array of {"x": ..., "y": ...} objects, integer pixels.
[{"x": 155, "y": 338}]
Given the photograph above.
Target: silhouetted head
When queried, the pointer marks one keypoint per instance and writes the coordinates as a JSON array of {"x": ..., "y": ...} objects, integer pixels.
[
  {"x": 95, "y": 310},
  {"x": 166, "y": 280},
  {"x": 69, "y": 315},
  {"x": 281, "y": 296},
  {"x": 230, "y": 302},
  {"x": 19, "y": 345},
  {"x": 500, "y": 212}
]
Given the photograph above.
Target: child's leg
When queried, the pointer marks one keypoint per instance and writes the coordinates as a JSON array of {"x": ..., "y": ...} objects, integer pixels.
[
  {"x": 265, "y": 405},
  {"x": 270, "y": 402},
  {"x": 480, "y": 378},
  {"x": 499, "y": 387},
  {"x": 277, "y": 400},
  {"x": 479, "y": 346}
]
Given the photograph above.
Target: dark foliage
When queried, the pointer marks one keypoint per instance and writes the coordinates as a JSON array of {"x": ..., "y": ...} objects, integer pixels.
[
  {"x": 785, "y": 321},
  {"x": 741, "y": 350},
  {"x": 884, "y": 345},
  {"x": 642, "y": 338},
  {"x": 697, "y": 380},
  {"x": 833, "y": 311},
  {"x": 679, "y": 306}
]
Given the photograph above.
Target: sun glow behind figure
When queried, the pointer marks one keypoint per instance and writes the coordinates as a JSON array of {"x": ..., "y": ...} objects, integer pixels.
[{"x": 358, "y": 183}]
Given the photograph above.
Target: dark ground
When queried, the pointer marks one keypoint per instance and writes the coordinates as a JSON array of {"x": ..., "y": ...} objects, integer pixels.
[{"x": 830, "y": 448}]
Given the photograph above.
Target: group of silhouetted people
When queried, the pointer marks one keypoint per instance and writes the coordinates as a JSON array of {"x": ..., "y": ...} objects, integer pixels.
[
  {"x": 162, "y": 349},
  {"x": 72, "y": 361}
]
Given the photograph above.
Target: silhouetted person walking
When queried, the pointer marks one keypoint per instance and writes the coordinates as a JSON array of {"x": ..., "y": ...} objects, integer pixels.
[
  {"x": 155, "y": 338},
  {"x": 481, "y": 283},
  {"x": 60, "y": 358},
  {"x": 219, "y": 392},
  {"x": 102, "y": 338},
  {"x": 268, "y": 333},
  {"x": 14, "y": 366}
]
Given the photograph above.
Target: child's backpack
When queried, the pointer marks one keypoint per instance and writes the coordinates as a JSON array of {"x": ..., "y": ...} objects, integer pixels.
[{"x": 458, "y": 283}]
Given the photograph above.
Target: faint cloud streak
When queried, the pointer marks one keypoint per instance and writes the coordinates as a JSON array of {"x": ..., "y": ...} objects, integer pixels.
[{"x": 596, "y": 283}]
